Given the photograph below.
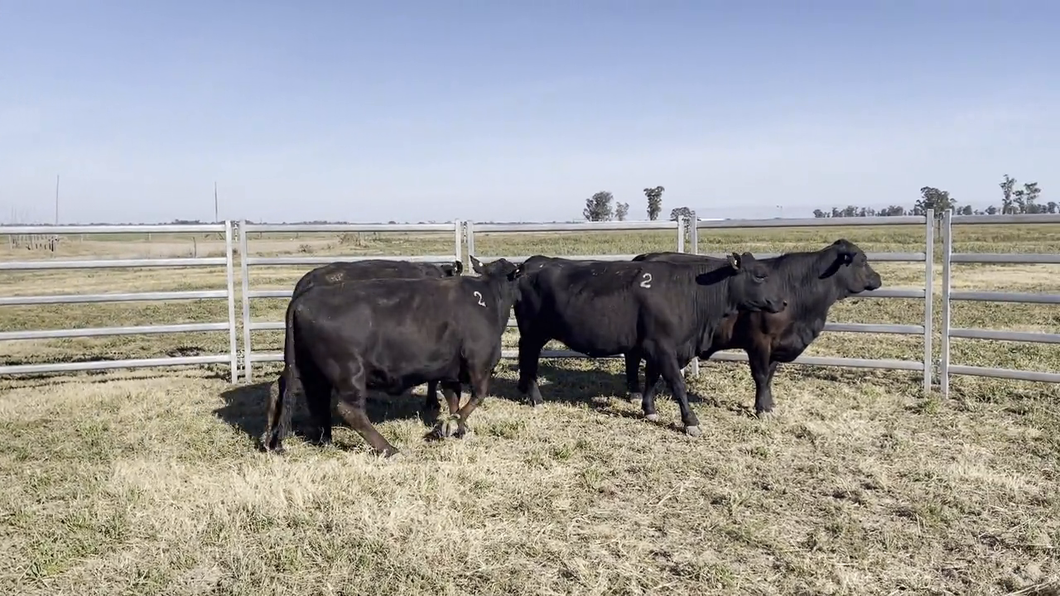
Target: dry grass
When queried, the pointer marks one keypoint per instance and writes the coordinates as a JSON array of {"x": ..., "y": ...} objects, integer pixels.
[{"x": 149, "y": 482}]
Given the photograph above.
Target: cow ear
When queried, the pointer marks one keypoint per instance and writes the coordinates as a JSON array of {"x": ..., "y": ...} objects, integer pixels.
[
  {"x": 458, "y": 267},
  {"x": 517, "y": 272},
  {"x": 476, "y": 264},
  {"x": 734, "y": 261},
  {"x": 845, "y": 249}
]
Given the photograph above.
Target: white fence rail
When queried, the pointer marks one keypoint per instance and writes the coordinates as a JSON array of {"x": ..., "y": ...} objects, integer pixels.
[
  {"x": 54, "y": 264},
  {"x": 247, "y": 260},
  {"x": 949, "y": 258},
  {"x": 466, "y": 232}
]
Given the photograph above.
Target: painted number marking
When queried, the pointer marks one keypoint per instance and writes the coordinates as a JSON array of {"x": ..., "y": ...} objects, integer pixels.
[
  {"x": 479, "y": 294},
  {"x": 647, "y": 281}
]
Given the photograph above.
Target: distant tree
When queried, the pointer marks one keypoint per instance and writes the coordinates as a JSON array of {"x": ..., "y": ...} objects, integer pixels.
[
  {"x": 933, "y": 198},
  {"x": 1053, "y": 207},
  {"x": 598, "y": 207},
  {"x": 621, "y": 211},
  {"x": 966, "y": 210},
  {"x": 654, "y": 201},
  {"x": 680, "y": 211},
  {"x": 819, "y": 214},
  {"x": 1007, "y": 184},
  {"x": 991, "y": 210},
  {"x": 1031, "y": 193}
]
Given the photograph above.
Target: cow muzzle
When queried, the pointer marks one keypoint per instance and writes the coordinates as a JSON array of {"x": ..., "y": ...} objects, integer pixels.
[{"x": 775, "y": 306}]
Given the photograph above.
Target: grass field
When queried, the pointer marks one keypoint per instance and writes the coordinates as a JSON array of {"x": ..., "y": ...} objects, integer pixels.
[{"x": 149, "y": 482}]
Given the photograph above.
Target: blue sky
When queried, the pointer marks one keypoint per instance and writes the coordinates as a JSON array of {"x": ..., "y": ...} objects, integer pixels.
[{"x": 503, "y": 110}]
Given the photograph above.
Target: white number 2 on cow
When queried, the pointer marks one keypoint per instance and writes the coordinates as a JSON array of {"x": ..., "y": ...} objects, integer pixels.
[
  {"x": 479, "y": 296},
  {"x": 647, "y": 281}
]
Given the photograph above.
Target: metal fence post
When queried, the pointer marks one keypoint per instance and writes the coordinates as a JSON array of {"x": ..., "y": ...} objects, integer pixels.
[
  {"x": 693, "y": 234},
  {"x": 469, "y": 231},
  {"x": 233, "y": 350},
  {"x": 929, "y": 299},
  {"x": 245, "y": 278},
  {"x": 458, "y": 229},
  {"x": 947, "y": 251},
  {"x": 693, "y": 239}
]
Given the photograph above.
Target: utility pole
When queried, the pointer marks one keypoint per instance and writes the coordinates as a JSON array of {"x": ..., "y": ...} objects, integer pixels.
[
  {"x": 56, "y": 199},
  {"x": 215, "y": 216}
]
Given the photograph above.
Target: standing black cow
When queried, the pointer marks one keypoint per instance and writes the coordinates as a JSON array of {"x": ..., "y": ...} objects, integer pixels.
[
  {"x": 389, "y": 335},
  {"x": 812, "y": 283},
  {"x": 344, "y": 271},
  {"x": 655, "y": 309}
]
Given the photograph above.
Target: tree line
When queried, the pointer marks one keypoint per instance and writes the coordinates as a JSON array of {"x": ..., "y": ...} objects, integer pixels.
[
  {"x": 602, "y": 206},
  {"x": 1013, "y": 201}
]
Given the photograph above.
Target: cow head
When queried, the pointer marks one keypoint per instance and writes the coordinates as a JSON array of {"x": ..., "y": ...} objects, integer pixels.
[
  {"x": 496, "y": 269},
  {"x": 850, "y": 267},
  {"x": 751, "y": 286},
  {"x": 452, "y": 270}
]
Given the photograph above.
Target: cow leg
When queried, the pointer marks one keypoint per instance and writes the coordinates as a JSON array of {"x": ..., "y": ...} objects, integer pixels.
[
  {"x": 278, "y": 417},
  {"x": 529, "y": 354},
  {"x": 456, "y": 426},
  {"x": 671, "y": 371},
  {"x": 633, "y": 376},
  {"x": 762, "y": 371},
  {"x": 351, "y": 397},
  {"x": 651, "y": 379},
  {"x": 452, "y": 396},
  {"x": 318, "y": 402},
  {"x": 430, "y": 403}
]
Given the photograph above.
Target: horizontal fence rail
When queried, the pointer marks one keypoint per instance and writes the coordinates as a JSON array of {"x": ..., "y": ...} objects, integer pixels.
[
  {"x": 947, "y": 368},
  {"x": 225, "y": 229},
  {"x": 247, "y": 260}
]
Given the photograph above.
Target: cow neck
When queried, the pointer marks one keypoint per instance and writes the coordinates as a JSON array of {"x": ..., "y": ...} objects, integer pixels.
[
  {"x": 811, "y": 294},
  {"x": 714, "y": 297},
  {"x": 495, "y": 289}
]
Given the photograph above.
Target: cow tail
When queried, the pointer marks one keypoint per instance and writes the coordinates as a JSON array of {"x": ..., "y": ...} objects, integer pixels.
[{"x": 281, "y": 404}]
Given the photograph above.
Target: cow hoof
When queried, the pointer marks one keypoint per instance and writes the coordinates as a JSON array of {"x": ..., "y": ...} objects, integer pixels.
[
  {"x": 394, "y": 455},
  {"x": 449, "y": 427},
  {"x": 693, "y": 431},
  {"x": 765, "y": 415},
  {"x": 634, "y": 397},
  {"x": 652, "y": 417}
]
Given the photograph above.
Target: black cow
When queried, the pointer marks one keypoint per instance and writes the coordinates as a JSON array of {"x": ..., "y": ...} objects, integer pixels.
[
  {"x": 655, "y": 309},
  {"x": 344, "y": 271},
  {"x": 389, "y": 335},
  {"x": 812, "y": 283}
]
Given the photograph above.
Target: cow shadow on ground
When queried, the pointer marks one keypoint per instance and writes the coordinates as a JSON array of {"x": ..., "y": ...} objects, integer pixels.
[{"x": 246, "y": 406}]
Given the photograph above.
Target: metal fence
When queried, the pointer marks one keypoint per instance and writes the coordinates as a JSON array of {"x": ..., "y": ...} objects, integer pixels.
[
  {"x": 678, "y": 227},
  {"x": 466, "y": 231},
  {"x": 247, "y": 260},
  {"x": 924, "y": 293},
  {"x": 946, "y": 368},
  {"x": 55, "y": 264}
]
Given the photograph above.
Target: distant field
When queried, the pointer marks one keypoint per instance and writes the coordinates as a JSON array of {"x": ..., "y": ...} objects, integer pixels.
[{"x": 148, "y": 482}]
